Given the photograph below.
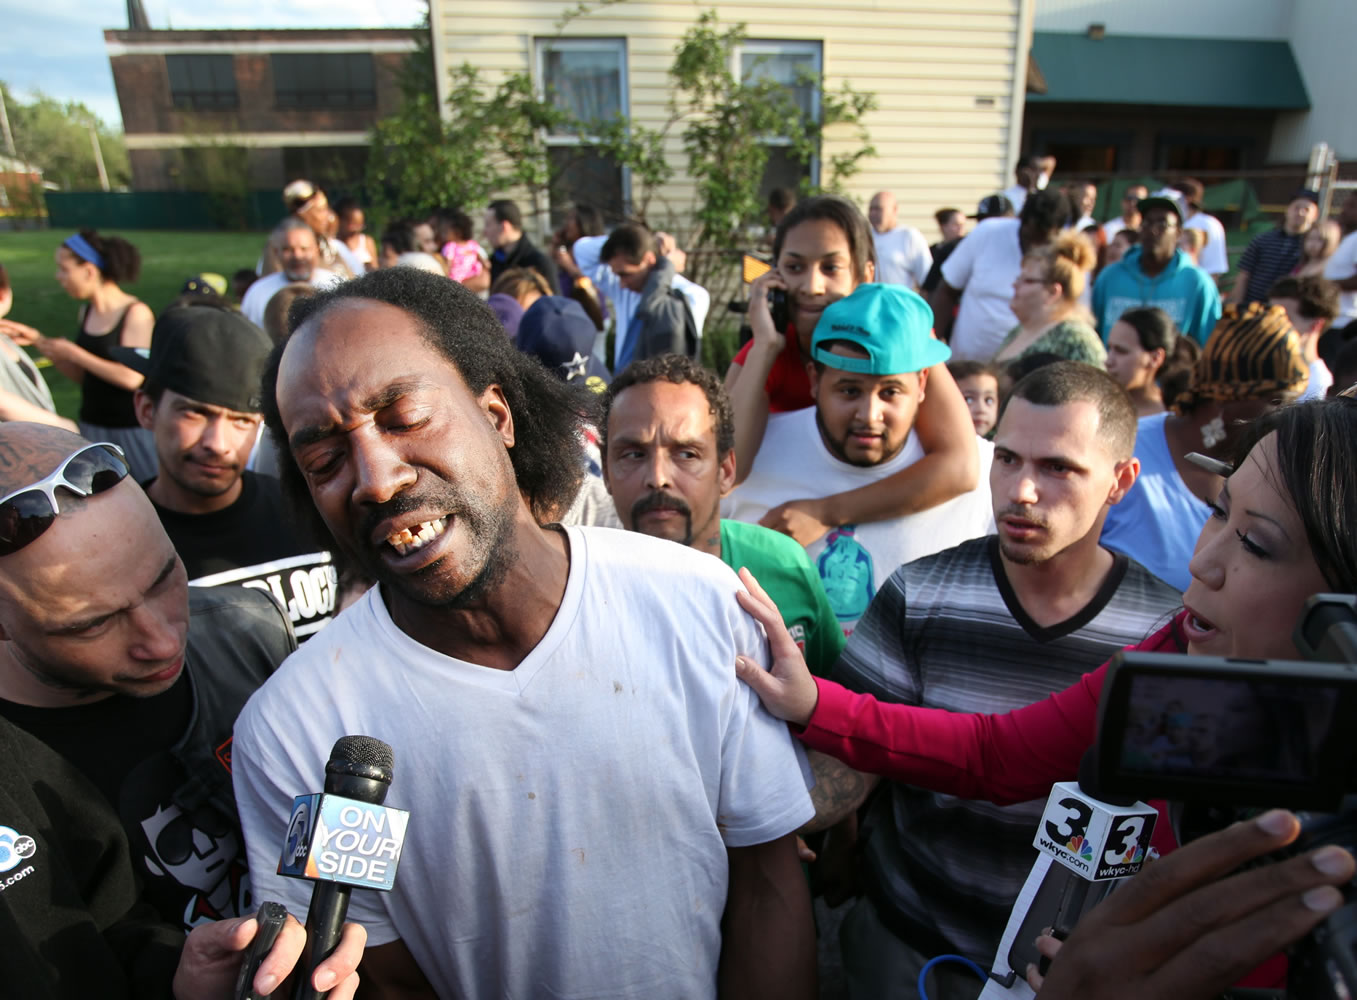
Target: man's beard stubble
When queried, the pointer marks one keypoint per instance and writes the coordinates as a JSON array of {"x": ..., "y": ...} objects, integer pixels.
[{"x": 491, "y": 530}]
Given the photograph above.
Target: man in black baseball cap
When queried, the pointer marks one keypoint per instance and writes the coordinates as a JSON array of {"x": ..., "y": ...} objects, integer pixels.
[
  {"x": 993, "y": 206},
  {"x": 200, "y": 400}
]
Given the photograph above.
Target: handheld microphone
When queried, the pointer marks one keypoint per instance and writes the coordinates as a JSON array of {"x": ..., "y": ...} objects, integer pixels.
[
  {"x": 1086, "y": 846},
  {"x": 341, "y": 839}
]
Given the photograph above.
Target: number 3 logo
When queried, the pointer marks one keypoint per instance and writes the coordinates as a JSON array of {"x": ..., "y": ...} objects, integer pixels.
[
  {"x": 1074, "y": 824},
  {"x": 1130, "y": 830}
]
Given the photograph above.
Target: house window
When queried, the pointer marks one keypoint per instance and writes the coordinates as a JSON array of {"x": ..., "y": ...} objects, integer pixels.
[
  {"x": 202, "y": 82},
  {"x": 319, "y": 80},
  {"x": 1202, "y": 152},
  {"x": 795, "y": 65},
  {"x": 587, "y": 79}
]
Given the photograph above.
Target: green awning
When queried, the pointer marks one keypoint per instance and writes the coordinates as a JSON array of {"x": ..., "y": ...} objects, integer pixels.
[{"x": 1167, "y": 71}]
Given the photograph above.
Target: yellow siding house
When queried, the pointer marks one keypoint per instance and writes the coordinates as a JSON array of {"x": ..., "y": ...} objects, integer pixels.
[{"x": 949, "y": 78}]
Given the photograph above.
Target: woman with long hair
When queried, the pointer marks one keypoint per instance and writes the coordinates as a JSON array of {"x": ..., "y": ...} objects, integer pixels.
[
  {"x": 1317, "y": 247},
  {"x": 1146, "y": 354},
  {"x": 92, "y": 269}
]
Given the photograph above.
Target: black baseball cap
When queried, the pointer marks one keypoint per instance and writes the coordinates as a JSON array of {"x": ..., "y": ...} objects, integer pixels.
[
  {"x": 1160, "y": 201},
  {"x": 206, "y": 353},
  {"x": 992, "y": 206}
]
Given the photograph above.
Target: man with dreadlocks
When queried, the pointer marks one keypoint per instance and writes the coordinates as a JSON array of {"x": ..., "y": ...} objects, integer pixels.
[
  {"x": 602, "y": 809},
  {"x": 1253, "y": 363}
]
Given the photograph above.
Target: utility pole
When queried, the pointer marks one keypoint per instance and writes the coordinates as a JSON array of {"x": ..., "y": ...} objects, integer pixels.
[
  {"x": 4, "y": 127},
  {"x": 99, "y": 158}
]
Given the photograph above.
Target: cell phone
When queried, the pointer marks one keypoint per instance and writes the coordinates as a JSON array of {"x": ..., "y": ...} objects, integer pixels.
[
  {"x": 779, "y": 306},
  {"x": 271, "y": 917}
]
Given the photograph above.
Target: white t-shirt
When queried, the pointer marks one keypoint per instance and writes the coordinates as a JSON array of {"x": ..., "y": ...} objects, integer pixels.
[
  {"x": 1320, "y": 380},
  {"x": 854, "y": 561},
  {"x": 351, "y": 258},
  {"x": 569, "y": 818},
  {"x": 1214, "y": 259},
  {"x": 984, "y": 266},
  {"x": 257, "y": 296},
  {"x": 1341, "y": 266},
  {"x": 902, "y": 257},
  {"x": 1113, "y": 226},
  {"x": 1017, "y": 194},
  {"x": 624, "y": 300}
]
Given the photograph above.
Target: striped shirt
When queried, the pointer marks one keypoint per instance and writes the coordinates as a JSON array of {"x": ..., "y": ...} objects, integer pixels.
[
  {"x": 947, "y": 631},
  {"x": 1270, "y": 256}
]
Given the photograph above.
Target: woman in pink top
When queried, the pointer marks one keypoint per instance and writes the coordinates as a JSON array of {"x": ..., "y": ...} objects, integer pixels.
[{"x": 1281, "y": 530}]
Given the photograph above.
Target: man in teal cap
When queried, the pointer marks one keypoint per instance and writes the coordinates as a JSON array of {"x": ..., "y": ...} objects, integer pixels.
[{"x": 870, "y": 356}]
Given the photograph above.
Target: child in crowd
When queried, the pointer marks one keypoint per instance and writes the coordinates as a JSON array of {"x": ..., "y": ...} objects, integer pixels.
[
  {"x": 979, "y": 385},
  {"x": 466, "y": 260}
]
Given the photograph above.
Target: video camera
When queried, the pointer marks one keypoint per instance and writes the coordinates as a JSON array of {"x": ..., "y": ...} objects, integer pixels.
[{"x": 1229, "y": 736}]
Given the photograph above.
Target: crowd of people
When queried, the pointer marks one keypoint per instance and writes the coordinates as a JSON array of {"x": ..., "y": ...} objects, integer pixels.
[{"x": 480, "y": 499}]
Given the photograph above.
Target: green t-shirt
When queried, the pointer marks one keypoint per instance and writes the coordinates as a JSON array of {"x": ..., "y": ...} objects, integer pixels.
[{"x": 784, "y": 570}]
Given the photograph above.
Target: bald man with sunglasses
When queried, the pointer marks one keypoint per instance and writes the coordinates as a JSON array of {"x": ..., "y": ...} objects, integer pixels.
[{"x": 107, "y": 657}]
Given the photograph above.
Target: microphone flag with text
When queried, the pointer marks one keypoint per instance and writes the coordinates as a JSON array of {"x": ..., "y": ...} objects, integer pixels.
[{"x": 341, "y": 839}]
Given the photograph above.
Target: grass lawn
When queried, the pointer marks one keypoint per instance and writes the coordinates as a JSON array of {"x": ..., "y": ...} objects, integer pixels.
[{"x": 168, "y": 259}]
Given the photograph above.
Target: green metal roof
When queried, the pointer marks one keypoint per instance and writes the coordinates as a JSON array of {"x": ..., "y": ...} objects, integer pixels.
[{"x": 1161, "y": 70}]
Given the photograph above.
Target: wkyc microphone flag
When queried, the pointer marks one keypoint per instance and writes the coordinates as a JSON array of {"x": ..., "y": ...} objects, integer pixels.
[
  {"x": 1094, "y": 839},
  {"x": 334, "y": 839}
]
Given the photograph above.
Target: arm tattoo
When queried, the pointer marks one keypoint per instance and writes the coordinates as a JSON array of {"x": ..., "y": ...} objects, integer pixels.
[{"x": 838, "y": 791}]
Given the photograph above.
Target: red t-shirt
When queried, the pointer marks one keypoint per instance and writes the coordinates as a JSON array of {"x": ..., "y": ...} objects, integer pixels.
[{"x": 788, "y": 385}]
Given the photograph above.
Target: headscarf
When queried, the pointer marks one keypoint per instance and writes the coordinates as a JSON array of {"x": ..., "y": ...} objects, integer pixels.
[{"x": 1251, "y": 355}]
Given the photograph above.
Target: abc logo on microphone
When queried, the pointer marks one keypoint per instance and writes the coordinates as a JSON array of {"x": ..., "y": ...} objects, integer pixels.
[{"x": 334, "y": 839}]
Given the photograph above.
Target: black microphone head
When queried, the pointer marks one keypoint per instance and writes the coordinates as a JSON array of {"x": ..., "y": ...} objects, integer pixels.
[{"x": 362, "y": 755}]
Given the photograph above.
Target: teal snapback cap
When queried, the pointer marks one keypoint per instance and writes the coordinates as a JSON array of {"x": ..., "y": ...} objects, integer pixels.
[{"x": 893, "y": 325}]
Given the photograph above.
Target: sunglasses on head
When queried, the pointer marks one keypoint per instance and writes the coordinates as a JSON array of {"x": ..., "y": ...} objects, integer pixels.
[{"x": 27, "y": 513}]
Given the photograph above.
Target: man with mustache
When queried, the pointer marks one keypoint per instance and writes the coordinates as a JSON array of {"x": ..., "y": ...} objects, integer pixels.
[
  {"x": 992, "y": 624},
  {"x": 599, "y": 808},
  {"x": 668, "y": 459},
  {"x": 869, "y": 370}
]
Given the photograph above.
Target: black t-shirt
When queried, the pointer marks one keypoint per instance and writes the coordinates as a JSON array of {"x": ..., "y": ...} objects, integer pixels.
[
  {"x": 71, "y": 919},
  {"x": 135, "y": 753},
  {"x": 253, "y": 544},
  {"x": 192, "y": 867},
  {"x": 941, "y": 251},
  {"x": 524, "y": 253}
]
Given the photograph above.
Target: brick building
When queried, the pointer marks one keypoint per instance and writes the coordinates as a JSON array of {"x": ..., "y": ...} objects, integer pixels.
[{"x": 278, "y": 104}]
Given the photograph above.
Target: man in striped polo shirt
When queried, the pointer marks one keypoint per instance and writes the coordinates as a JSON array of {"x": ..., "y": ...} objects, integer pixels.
[
  {"x": 990, "y": 625},
  {"x": 1276, "y": 252}
]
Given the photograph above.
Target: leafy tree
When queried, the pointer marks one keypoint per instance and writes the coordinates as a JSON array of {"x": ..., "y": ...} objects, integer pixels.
[
  {"x": 222, "y": 171},
  {"x": 56, "y": 137},
  {"x": 494, "y": 139},
  {"x": 726, "y": 122}
]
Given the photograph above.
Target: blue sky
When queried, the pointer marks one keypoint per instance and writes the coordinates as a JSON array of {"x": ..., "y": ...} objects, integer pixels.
[{"x": 57, "y": 46}]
